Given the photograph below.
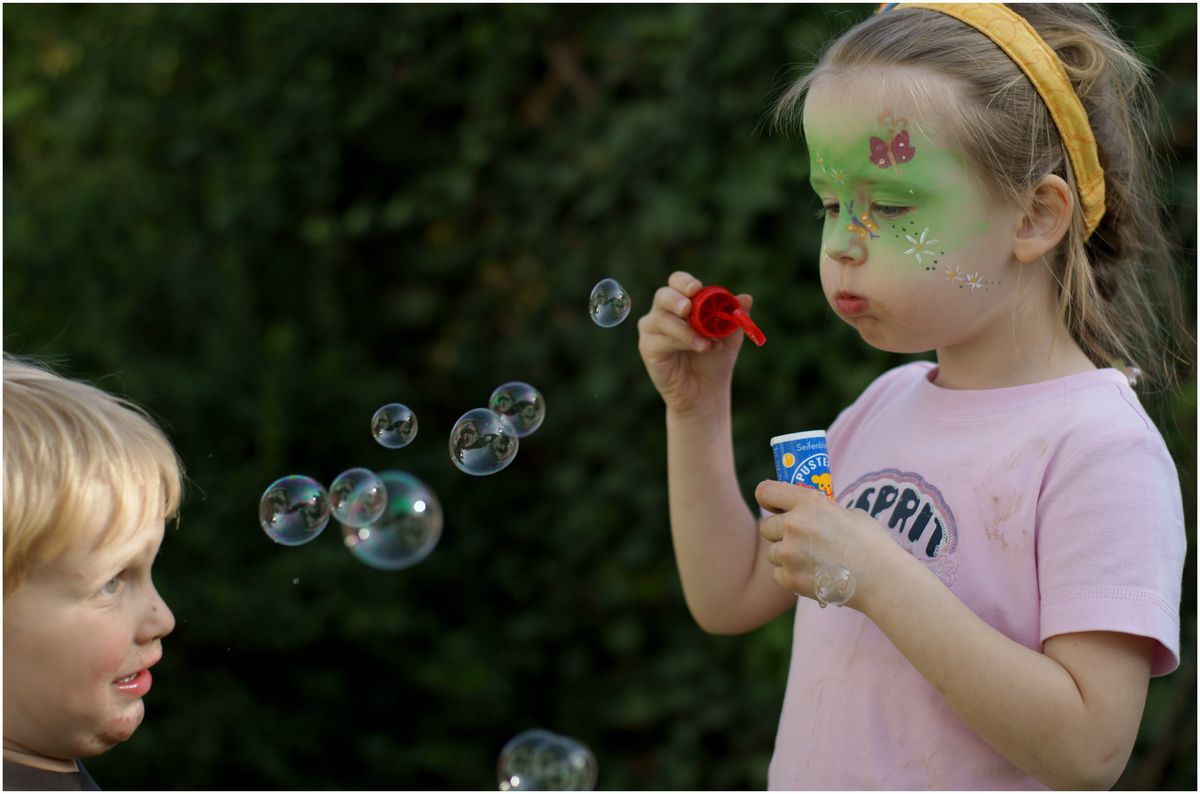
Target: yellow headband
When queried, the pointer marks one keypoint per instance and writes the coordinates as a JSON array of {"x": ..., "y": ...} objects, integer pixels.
[{"x": 1041, "y": 65}]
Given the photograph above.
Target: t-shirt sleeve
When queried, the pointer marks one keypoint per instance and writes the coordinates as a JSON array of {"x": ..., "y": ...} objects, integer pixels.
[{"x": 1111, "y": 542}]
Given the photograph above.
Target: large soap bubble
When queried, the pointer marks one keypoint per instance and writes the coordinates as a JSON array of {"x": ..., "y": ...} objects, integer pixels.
[
  {"x": 294, "y": 510},
  {"x": 609, "y": 303},
  {"x": 564, "y": 764},
  {"x": 357, "y": 497},
  {"x": 521, "y": 404},
  {"x": 539, "y": 760},
  {"x": 408, "y": 530},
  {"x": 482, "y": 442}
]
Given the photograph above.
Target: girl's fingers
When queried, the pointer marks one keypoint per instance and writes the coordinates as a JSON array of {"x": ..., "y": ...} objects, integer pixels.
[
  {"x": 666, "y": 332},
  {"x": 672, "y": 301},
  {"x": 684, "y": 283}
]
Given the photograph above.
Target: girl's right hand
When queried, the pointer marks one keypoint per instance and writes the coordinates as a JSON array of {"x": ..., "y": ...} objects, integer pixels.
[{"x": 690, "y": 371}]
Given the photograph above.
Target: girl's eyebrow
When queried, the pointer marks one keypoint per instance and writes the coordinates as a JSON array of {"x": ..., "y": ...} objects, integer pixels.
[{"x": 870, "y": 181}]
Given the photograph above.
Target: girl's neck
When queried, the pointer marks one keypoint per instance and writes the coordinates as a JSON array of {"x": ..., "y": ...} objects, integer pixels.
[
  {"x": 1026, "y": 342},
  {"x": 19, "y": 755},
  {"x": 1024, "y": 358}
]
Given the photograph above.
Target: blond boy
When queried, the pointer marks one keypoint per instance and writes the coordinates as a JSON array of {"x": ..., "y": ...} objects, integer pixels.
[{"x": 89, "y": 483}]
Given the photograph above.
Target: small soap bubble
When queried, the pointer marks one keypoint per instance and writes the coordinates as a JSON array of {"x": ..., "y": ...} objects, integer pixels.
[
  {"x": 296, "y": 580},
  {"x": 521, "y": 404},
  {"x": 357, "y": 497},
  {"x": 394, "y": 425},
  {"x": 833, "y": 584},
  {"x": 482, "y": 442},
  {"x": 609, "y": 303},
  {"x": 294, "y": 510},
  {"x": 408, "y": 530}
]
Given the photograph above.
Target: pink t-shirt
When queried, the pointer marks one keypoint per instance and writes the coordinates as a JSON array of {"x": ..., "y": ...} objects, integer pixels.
[{"x": 1047, "y": 509}]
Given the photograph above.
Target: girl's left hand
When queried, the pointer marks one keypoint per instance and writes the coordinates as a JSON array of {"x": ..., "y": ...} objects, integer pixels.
[{"x": 809, "y": 530}]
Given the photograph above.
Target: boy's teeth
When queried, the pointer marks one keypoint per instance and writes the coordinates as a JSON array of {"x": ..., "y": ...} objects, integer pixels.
[{"x": 129, "y": 677}]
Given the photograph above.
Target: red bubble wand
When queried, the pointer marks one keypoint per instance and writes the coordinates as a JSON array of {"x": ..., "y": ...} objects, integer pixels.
[{"x": 716, "y": 314}]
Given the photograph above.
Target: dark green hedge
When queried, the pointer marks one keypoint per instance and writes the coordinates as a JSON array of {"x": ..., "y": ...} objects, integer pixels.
[{"x": 264, "y": 222}]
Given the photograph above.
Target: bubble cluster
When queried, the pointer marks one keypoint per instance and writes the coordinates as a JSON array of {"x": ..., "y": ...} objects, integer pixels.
[
  {"x": 609, "y": 303},
  {"x": 521, "y": 404},
  {"x": 394, "y": 425},
  {"x": 833, "y": 584},
  {"x": 408, "y": 530},
  {"x": 357, "y": 497},
  {"x": 294, "y": 510},
  {"x": 482, "y": 442},
  {"x": 539, "y": 760}
]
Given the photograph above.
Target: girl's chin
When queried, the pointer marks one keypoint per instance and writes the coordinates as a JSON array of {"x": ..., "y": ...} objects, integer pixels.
[{"x": 874, "y": 334}]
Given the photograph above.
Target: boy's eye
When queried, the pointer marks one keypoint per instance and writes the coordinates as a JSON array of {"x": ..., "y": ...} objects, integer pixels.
[
  {"x": 112, "y": 585},
  {"x": 889, "y": 213}
]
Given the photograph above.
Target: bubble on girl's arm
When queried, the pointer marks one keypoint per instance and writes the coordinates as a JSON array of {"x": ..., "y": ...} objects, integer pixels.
[{"x": 832, "y": 584}]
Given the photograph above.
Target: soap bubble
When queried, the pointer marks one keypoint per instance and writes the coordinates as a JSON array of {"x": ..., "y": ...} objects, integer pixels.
[
  {"x": 521, "y": 404},
  {"x": 394, "y": 425},
  {"x": 609, "y": 303},
  {"x": 294, "y": 510},
  {"x": 514, "y": 768},
  {"x": 407, "y": 531},
  {"x": 357, "y": 497},
  {"x": 482, "y": 442},
  {"x": 539, "y": 760},
  {"x": 563, "y": 764},
  {"x": 833, "y": 584}
]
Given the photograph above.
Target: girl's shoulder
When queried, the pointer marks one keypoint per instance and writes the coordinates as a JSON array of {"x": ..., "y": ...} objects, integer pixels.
[
  {"x": 902, "y": 378},
  {"x": 882, "y": 391}
]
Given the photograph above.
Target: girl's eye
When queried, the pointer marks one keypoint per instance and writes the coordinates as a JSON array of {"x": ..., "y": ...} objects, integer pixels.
[
  {"x": 112, "y": 586},
  {"x": 889, "y": 213},
  {"x": 828, "y": 211}
]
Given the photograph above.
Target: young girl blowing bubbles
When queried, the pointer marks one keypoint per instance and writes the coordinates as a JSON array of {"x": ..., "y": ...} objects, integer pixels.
[{"x": 1010, "y": 516}]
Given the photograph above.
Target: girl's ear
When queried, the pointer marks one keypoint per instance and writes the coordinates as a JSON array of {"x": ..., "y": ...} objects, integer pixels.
[{"x": 1046, "y": 219}]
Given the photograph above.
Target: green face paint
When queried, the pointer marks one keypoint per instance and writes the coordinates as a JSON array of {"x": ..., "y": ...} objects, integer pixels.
[{"x": 894, "y": 188}]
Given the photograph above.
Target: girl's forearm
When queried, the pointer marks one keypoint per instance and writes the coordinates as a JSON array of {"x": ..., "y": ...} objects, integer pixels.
[
  {"x": 1023, "y": 703},
  {"x": 712, "y": 528}
]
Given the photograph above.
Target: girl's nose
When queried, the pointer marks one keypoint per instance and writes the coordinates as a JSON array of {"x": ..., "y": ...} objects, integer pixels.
[{"x": 843, "y": 244}]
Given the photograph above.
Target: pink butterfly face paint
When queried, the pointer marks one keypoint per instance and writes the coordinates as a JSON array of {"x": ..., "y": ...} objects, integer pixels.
[{"x": 896, "y": 149}]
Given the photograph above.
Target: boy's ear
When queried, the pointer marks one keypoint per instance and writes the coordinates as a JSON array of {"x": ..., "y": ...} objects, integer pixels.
[{"x": 1046, "y": 219}]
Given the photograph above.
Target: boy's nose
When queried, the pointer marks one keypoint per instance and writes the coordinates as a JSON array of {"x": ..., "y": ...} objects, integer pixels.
[{"x": 159, "y": 620}]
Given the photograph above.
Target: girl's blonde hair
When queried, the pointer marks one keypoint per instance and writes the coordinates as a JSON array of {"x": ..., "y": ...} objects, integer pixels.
[
  {"x": 1117, "y": 291},
  {"x": 66, "y": 445}
]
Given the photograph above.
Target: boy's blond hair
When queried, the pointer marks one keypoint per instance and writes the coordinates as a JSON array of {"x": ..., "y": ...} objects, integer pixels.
[{"x": 67, "y": 445}]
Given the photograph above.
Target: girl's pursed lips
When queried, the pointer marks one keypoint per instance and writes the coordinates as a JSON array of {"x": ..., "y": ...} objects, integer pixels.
[{"x": 850, "y": 304}]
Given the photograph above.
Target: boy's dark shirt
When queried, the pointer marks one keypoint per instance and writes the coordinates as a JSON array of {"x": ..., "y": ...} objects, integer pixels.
[{"x": 18, "y": 777}]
